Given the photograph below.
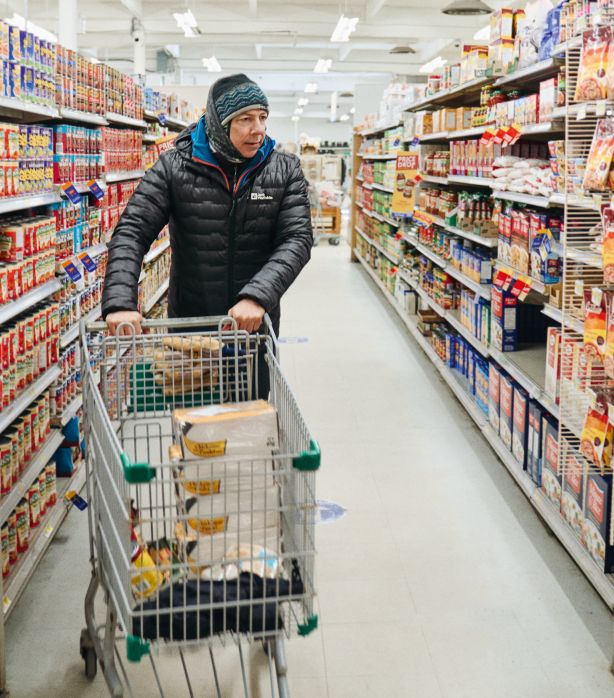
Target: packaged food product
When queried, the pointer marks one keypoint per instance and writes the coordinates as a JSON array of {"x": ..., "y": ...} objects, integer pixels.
[
  {"x": 595, "y": 431},
  {"x": 4, "y": 543},
  {"x": 23, "y": 526},
  {"x": 595, "y": 324},
  {"x": 12, "y": 524},
  {"x": 592, "y": 74},
  {"x": 600, "y": 156},
  {"x": 34, "y": 504}
]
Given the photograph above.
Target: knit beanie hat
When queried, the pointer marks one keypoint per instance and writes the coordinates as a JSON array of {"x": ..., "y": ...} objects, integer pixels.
[{"x": 235, "y": 95}]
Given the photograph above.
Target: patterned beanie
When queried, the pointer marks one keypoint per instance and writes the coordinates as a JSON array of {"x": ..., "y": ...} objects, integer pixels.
[{"x": 235, "y": 95}]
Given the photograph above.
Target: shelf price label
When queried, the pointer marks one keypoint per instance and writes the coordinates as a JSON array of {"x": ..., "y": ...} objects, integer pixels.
[
  {"x": 71, "y": 270},
  {"x": 96, "y": 189},
  {"x": 6, "y": 603},
  {"x": 162, "y": 118},
  {"x": 71, "y": 192},
  {"x": 87, "y": 261},
  {"x": 76, "y": 500}
]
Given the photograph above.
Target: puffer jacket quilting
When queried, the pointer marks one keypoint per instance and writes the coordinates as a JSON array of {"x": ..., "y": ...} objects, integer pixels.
[{"x": 221, "y": 253}]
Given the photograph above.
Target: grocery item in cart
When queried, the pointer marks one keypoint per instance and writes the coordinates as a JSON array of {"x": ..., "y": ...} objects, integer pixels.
[{"x": 229, "y": 429}]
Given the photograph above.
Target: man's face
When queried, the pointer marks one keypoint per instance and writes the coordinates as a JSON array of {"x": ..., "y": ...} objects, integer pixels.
[{"x": 247, "y": 132}]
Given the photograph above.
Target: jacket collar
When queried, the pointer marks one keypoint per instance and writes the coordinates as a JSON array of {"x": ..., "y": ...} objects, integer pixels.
[{"x": 193, "y": 145}]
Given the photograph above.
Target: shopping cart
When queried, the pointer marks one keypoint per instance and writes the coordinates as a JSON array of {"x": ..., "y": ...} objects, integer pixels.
[{"x": 213, "y": 551}]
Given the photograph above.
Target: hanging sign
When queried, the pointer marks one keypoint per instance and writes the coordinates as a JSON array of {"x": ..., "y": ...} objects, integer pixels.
[
  {"x": 71, "y": 192},
  {"x": 165, "y": 144},
  {"x": 71, "y": 270},
  {"x": 404, "y": 196},
  {"x": 96, "y": 189},
  {"x": 508, "y": 280}
]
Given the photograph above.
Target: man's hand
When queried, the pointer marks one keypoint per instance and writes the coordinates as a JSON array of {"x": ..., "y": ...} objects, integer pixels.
[
  {"x": 114, "y": 320},
  {"x": 248, "y": 315}
]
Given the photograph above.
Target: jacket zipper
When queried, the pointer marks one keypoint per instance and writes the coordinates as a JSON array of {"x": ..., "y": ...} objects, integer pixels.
[{"x": 231, "y": 240}]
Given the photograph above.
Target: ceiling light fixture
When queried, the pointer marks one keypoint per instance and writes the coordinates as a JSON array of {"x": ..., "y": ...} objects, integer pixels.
[
  {"x": 298, "y": 111},
  {"x": 467, "y": 8},
  {"x": 353, "y": 110},
  {"x": 323, "y": 65},
  {"x": 311, "y": 87},
  {"x": 186, "y": 22},
  {"x": 295, "y": 118},
  {"x": 483, "y": 34},
  {"x": 303, "y": 102},
  {"x": 345, "y": 27},
  {"x": 212, "y": 65},
  {"x": 344, "y": 117},
  {"x": 436, "y": 63}
]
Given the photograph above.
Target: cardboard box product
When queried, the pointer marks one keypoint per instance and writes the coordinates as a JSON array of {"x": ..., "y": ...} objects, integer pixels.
[
  {"x": 553, "y": 364},
  {"x": 520, "y": 426},
  {"x": 597, "y": 520},
  {"x": 551, "y": 472},
  {"x": 504, "y": 333},
  {"x": 506, "y": 409},
  {"x": 230, "y": 430},
  {"x": 535, "y": 442},
  {"x": 572, "y": 497},
  {"x": 502, "y": 24},
  {"x": 547, "y": 99}
]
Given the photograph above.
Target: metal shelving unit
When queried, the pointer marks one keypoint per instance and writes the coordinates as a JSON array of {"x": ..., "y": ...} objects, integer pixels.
[
  {"x": 122, "y": 120},
  {"x": 82, "y": 117},
  {"x": 25, "y": 397},
  {"x": 70, "y": 335},
  {"x": 123, "y": 176},
  {"x": 28, "y": 300},
  {"x": 156, "y": 298},
  {"x": 156, "y": 252}
]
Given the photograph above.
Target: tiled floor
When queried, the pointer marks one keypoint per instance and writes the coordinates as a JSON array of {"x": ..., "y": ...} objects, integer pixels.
[{"x": 440, "y": 581}]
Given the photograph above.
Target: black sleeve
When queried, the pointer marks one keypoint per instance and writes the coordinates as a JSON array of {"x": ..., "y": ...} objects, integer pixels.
[
  {"x": 144, "y": 217},
  {"x": 293, "y": 243}
]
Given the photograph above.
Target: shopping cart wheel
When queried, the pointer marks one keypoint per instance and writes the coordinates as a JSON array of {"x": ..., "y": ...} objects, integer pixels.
[
  {"x": 91, "y": 663},
  {"x": 334, "y": 242}
]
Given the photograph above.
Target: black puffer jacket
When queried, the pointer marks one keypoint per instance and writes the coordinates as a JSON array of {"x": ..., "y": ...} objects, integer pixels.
[{"x": 225, "y": 246}]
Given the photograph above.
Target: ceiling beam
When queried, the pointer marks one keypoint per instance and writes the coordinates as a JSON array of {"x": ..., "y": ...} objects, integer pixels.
[
  {"x": 373, "y": 7},
  {"x": 135, "y": 7},
  {"x": 344, "y": 51},
  {"x": 258, "y": 51},
  {"x": 253, "y": 7}
]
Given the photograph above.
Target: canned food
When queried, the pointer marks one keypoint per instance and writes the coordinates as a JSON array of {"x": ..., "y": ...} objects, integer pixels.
[
  {"x": 34, "y": 503},
  {"x": 23, "y": 526},
  {"x": 12, "y": 524}
]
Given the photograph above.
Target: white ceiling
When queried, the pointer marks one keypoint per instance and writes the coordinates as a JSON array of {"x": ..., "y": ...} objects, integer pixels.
[{"x": 277, "y": 42}]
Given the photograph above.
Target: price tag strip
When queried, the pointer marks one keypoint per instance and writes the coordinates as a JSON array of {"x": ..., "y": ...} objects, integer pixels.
[
  {"x": 95, "y": 188},
  {"x": 517, "y": 285},
  {"x": 71, "y": 192}
]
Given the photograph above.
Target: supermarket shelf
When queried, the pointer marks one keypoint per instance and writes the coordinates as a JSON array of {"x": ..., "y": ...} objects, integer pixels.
[
  {"x": 539, "y": 201},
  {"x": 482, "y": 289},
  {"x": 591, "y": 259},
  {"x": 42, "y": 456},
  {"x": 96, "y": 250},
  {"x": 536, "y": 285},
  {"x": 378, "y": 247},
  {"x": 584, "y": 202},
  {"x": 125, "y": 120},
  {"x": 533, "y": 73},
  {"x": 467, "y": 132},
  {"x": 27, "y": 300},
  {"x": 427, "y": 252},
  {"x": 25, "y": 397},
  {"x": 378, "y": 157},
  {"x": 383, "y": 219},
  {"x": 576, "y": 42},
  {"x": 569, "y": 321},
  {"x": 464, "y": 94},
  {"x": 509, "y": 461},
  {"x": 150, "y": 138},
  {"x": 381, "y": 187},
  {"x": 486, "y": 242},
  {"x": 83, "y": 117},
  {"x": 603, "y": 583},
  {"x": 157, "y": 296},
  {"x": 123, "y": 176},
  {"x": 17, "y": 107},
  {"x": 168, "y": 121},
  {"x": 546, "y": 127},
  {"x": 156, "y": 252},
  {"x": 39, "y": 541},
  {"x": 83, "y": 188},
  {"x": 527, "y": 366},
  {"x": 73, "y": 332},
  {"x": 367, "y": 185},
  {"x": 433, "y": 137},
  {"x": 381, "y": 129},
  {"x": 472, "y": 181},
  {"x": 453, "y": 317},
  {"x": 19, "y": 203},
  {"x": 71, "y": 410},
  {"x": 430, "y": 179}
]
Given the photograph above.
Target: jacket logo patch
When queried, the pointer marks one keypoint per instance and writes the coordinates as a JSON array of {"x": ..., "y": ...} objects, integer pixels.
[{"x": 261, "y": 196}]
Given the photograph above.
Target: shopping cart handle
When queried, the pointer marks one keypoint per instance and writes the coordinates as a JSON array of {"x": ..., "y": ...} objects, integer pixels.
[{"x": 186, "y": 323}]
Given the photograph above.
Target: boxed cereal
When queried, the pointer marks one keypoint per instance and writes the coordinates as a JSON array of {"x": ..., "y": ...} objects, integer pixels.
[
  {"x": 536, "y": 413},
  {"x": 553, "y": 364},
  {"x": 503, "y": 332},
  {"x": 551, "y": 473},
  {"x": 502, "y": 24},
  {"x": 597, "y": 520},
  {"x": 494, "y": 380},
  {"x": 547, "y": 99},
  {"x": 520, "y": 425},
  {"x": 506, "y": 409},
  {"x": 572, "y": 496}
]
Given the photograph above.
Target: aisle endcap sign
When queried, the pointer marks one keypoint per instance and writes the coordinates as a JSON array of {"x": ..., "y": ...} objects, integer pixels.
[{"x": 404, "y": 196}]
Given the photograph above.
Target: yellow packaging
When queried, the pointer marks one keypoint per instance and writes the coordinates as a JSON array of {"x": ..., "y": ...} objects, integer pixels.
[
  {"x": 146, "y": 577},
  {"x": 502, "y": 24},
  {"x": 227, "y": 430},
  {"x": 595, "y": 432},
  {"x": 595, "y": 326}
]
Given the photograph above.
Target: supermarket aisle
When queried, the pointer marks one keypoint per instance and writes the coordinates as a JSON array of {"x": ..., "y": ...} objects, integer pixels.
[{"x": 439, "y": 582}]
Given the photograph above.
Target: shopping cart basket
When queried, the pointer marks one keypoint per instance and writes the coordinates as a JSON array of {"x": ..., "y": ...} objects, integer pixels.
[{"x": 212, "y": 550}]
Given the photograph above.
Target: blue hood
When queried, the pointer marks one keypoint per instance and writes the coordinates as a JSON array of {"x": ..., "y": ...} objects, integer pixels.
[{"x": 201, "y": 149}]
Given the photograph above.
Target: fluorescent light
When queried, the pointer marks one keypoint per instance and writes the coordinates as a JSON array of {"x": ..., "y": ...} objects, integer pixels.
[
  {"x": 438, "y": 62},
  {"x": 344, "y": 117},
  {"x": 311, "y": 87},
  {"x": 94, "y": 60},
  {"x": 187, "y": 22},
  {"x": 298, "y": 111},
  {"x": 212, "y": 65},
  {"x": 18, "y": 20},
  {"x": 323, "y": 65},
  {"x": 333, "y": 106},
  {"x": 303, "y": 102},
  {"x": 483, "y": 34},
  {"x": 353, "y": 110},
  {"x": 295, "y": 118},
  {"x": 345, "y": 27}
]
